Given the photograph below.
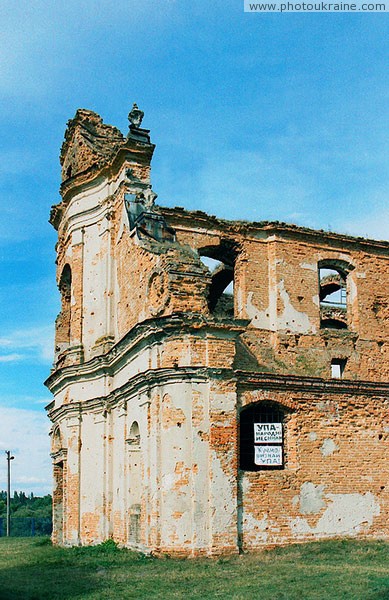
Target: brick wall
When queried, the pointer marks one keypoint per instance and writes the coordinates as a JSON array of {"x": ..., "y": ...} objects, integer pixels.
[{"x": 147, "y": 345}]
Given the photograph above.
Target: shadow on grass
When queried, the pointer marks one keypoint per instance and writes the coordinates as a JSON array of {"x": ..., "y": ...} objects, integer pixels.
[
  {"x": 44, "y": 572},
  {"x": 49, "y": 583},
  {"x": 36, "y": 585},
  {"x": 341, "y": 570}
]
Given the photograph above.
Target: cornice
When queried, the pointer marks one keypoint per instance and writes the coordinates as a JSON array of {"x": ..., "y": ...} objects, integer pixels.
[
  {"x": 140, "y": 152},
  {"x": 59, "y": 455},
  {"x": 139, "y": 383},
  {"x": 87, "y": 217},
  {"x": 142, "y": 335},
  {"x": 316, "y": 385},
  {"x": 146, "y": 381},
  {"x": 156, "y": 330}
]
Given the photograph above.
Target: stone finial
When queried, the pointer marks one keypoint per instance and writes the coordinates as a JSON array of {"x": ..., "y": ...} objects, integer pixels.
[
  {"x": 149, "y": 198},
  {"x": 135, "y": 116}
]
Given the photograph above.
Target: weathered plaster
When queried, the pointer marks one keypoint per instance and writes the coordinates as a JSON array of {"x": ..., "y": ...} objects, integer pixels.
[
  {"x": 291, "y": 318},
  {"x": 138, "y": 342},
  {"x": 345, "y": 514},
  {"x": 328, "y": 447},
  {"x": 259, "y": 318},
  {"x": 224, "y": 513},
  {"x": 311, "y": 498}
]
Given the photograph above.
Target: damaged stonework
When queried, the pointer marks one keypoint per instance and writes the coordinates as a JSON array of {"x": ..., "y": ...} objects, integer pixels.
[
  {"x": 218, "y": 386},
  {"x": 328, "y": 447},
  {"x": 339, "y": 514},
  {"x": 311, "y": 498}
]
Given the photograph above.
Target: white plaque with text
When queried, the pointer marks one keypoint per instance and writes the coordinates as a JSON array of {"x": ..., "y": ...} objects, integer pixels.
[
  {"x": 269, "y": 456},
  {"x": 267, "y": 433}
]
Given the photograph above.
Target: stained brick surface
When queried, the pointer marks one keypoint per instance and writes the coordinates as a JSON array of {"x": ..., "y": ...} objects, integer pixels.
[{"x": 137, "y": 342}]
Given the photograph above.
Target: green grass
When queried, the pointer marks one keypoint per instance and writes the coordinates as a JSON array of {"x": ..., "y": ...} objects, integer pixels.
[{"x": 31, "y": 569}]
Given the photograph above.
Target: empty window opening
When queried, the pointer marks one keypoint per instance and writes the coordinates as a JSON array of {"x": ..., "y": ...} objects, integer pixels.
[
  {"x": 134, "y": 437},
  {"x": 262, "y": 437},
  {"x": 337, "y": 367},
  {"x": 56, "y": 440},
  {"x": 333, "y": 294},
  {"x": 220, "y": 261},
  {"x": 58, "y": 501},
  {"x": 134, "y": 484},
  {"x": 211, "y": 263},
  {"x": 221, "y": 292},
  {"x": 62, "y": 336},
  {"x": 332, "y": 287},
  {"x": 332, "y": 324}
]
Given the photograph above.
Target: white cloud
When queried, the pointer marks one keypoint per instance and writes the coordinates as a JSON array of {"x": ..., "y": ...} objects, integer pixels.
[
  {"x": 28, "y": 401},
  {"x": 25, "y": 434},
  {"x": 45, "y": 42},
  {"x": 11, "y": 357},
  {"x": 36, "y": 343}
]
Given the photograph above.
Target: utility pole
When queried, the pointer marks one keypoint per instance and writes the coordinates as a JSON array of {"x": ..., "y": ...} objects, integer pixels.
[{"x": 9, "y": 458}]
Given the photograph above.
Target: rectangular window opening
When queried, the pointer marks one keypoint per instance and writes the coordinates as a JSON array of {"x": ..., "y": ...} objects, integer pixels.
[{"x": 337, "y": 368}]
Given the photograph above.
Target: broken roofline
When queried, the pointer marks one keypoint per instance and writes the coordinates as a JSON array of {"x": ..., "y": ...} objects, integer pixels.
[
  {"x": 112, "y": 149},
  {"x": 201, "y": 219}
]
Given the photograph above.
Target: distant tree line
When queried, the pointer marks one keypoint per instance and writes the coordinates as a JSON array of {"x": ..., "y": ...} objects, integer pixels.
[{"x": 26, "y": 505}]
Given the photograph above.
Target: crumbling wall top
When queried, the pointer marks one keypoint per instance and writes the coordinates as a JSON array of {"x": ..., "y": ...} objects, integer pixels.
[
  {"x": 180, "y": 218},
  {"x": 88, "y": 141},
  {"x": 92, "y": 150}
]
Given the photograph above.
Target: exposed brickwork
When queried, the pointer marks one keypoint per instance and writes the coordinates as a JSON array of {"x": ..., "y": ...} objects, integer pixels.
[
  {"x": 59, "y": 472},
  {"x": 336, "y": 447},
  {"x": 88, "y": 141},
  {"x": 147, "y": 336}
]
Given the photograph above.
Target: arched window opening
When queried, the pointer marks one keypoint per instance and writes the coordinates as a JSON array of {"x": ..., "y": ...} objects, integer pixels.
[
  {"x": 332, "y": 287},
  {"x": 65, "y": 283},
  {"x": 333, "y": 324},
  {"x": 333, "y": 294},
  {"x": 56, "y": 440},
  {"x": 58, "y": 501},
  {"x": 58, "y": 454},
  {"x": 134, "y": 485},
  {"x": 262, "y": 437},
  {"x": 220, "y": 260},
  {"x": 62, "y": 337},
  {"x": 134, "y": 436}
]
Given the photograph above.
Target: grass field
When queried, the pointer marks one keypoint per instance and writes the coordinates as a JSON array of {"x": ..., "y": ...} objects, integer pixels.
[{"x": 31, "y": 569}]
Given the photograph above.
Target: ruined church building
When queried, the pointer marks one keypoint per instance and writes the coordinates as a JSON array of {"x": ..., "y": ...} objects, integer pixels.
[{"x": 218, "y": 385}]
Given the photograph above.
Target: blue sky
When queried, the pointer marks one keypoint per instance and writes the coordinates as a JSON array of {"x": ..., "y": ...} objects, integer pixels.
[{"x": 255, "y": 116}]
